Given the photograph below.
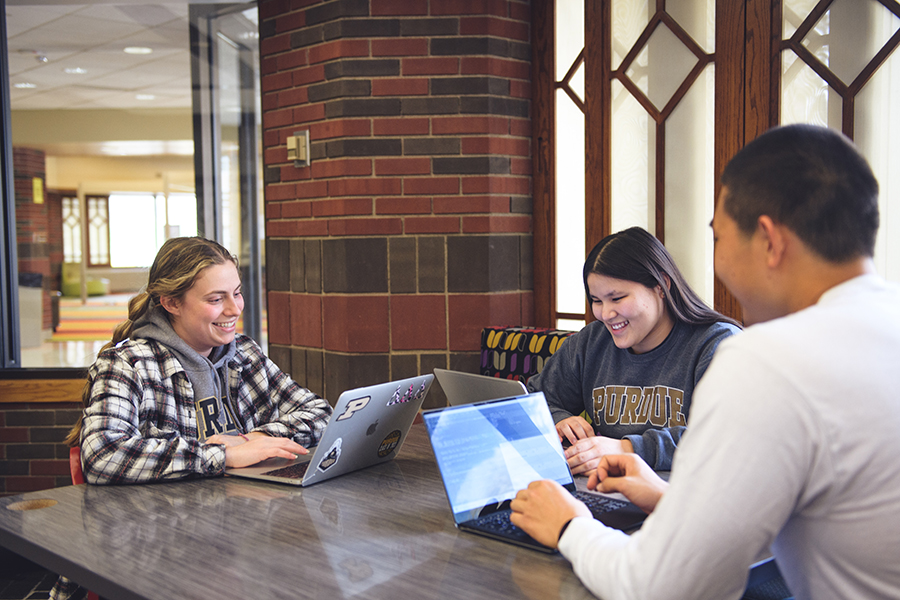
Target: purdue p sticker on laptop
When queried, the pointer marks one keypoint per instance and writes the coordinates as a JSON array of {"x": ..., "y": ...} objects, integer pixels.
[{"x": 367, "y": 427}]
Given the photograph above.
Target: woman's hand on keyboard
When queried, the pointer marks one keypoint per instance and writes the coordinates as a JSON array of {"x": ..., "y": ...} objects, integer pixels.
[
  {"x": 261, "y": 448},
  {"x": 584, "y": 455}
]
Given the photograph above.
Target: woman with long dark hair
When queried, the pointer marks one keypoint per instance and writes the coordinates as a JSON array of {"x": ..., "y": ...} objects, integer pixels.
[{"x": 634, "y": 369}]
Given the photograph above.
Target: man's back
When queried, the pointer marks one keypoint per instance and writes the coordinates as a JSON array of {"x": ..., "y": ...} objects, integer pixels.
[{"x": 827, "y": 398}]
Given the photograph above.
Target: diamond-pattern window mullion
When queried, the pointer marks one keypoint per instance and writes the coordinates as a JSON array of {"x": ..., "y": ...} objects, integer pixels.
[
  {"x": 811, "y": 43},
  {"x": 566, "y": 83},
  {"x": 631, "y": 70},
  {"x": 98, "y": 231}
]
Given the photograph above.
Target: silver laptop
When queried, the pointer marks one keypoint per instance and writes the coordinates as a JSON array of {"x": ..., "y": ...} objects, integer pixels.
[
  {"x": 466, "y": 388},
  {"x": 487, "y": 452},
  {"x": 367, "y": 427}
]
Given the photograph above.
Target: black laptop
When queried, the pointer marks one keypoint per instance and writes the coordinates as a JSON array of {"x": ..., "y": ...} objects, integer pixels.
[{"x": 488, "y": 451}]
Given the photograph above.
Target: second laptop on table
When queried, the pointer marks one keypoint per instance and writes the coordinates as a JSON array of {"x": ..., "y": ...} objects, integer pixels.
[
  {"x": 466, "y": 388},
  {"x": 367, "y": 427}
]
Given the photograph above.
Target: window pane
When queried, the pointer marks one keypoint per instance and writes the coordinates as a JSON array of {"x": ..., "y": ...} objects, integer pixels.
[
  {"x": 133, "y": 230},
  {"x": 570, "y": 225},
  {"x": 845, "y": 39},
  {"x": 569, "y": 34},
  {"x": 877, "y": 133},
  {"x": 633, "y": 162},
  {"x": 630, "y": 17},
  {"x": 690, "y": 178},
  {"x": 90, "y": 120}
]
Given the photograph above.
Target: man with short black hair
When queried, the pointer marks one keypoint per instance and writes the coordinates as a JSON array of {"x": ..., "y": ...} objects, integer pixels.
[{"x": 793, "y": 440}]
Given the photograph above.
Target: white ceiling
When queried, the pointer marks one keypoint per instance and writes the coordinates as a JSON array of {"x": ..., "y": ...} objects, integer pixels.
[
  {"x": 92, "y": 38},
  {"x": 47, "y": 37}
]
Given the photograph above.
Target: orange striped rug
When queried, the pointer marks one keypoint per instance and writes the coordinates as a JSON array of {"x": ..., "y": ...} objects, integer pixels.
[
  {"x": 93, "y": 321},
  {"x": 96, "y": 320}
]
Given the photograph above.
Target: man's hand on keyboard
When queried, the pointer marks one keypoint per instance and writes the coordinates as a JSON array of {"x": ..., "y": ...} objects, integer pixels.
[
  {"x": 543, "y": 508},
  {"x": 631, "y": 476}
]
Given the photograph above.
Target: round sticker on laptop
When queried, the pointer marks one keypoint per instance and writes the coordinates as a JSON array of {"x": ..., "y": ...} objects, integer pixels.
[{"x": 389, "y": 443}]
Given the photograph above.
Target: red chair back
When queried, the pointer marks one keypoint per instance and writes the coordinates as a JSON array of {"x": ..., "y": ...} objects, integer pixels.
[{"x": 75, "y": 465}]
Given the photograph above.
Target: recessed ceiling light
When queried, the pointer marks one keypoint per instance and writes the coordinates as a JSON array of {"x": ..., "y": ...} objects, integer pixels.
[
  {"x": 24, "y": 85},
  {"x": 75, "y": 70},
  {"x": 145, "y": 96},
  {"x": 138, "y": 50}
]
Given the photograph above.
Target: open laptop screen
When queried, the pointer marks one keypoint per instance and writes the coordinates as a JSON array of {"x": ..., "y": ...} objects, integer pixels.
[{"x": 487, "y": 452}]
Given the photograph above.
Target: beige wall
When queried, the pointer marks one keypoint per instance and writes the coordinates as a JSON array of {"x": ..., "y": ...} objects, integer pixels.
[
  {"x": 103, "y": 174},
  {"x": 84, "y": 148}
]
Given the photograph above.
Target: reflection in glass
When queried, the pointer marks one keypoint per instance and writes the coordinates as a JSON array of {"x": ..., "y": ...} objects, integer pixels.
[
  {"x": 690, "y": 179},
  {"x": 877, "y": 133},
  {"x": 849, "y": 34},
  {"x": 697, "y": 18},
  {"x": 569, "y": 34},
  {"x": 671, "y": 63},
  {"x": 795, "y": 11},
  {"x": 658, "y": 70},
  {"x": 629, "y": 17},
  {"x": 102, "y": 122},
  {"x": 805, "y": 97},
  {"x": 845, "y": 39},
  {"x": 633, "y": 162}
]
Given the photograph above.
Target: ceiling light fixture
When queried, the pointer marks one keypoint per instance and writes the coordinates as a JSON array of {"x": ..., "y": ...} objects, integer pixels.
[
  {"x": 75, "y": 70},
  {"x": 24, "y": 85},
  {"x": 145, "y": 96},
  {"x": 138, "y": 50}
]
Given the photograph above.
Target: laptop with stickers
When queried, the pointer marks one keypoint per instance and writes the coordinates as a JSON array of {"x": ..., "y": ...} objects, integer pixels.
[
  {"x": 486, "y": 452},
  {"x": 466, "y": 388},
  {"x": 367, "y": 427}
]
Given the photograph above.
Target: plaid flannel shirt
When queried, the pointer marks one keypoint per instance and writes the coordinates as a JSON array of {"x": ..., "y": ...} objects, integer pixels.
[{"x": 141, "y": 422}]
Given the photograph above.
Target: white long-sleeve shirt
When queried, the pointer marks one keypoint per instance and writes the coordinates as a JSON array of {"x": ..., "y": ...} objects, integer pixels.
[{"x": 794, "y": 445}]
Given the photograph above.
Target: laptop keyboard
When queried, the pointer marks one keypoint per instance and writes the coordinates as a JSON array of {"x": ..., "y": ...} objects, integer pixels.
[
  {"x": 598, "y": 504},
  {"x": 291, "y": 472},
  {"x": 498, "y": 522}
]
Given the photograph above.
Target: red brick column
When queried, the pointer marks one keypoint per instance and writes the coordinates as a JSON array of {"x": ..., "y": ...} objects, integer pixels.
[
  {"x": 32, "y": 221},
  {"x": 411, "y": 229}
]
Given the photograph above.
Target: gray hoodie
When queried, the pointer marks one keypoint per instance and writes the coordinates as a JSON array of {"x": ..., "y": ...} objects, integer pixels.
[{"x": 208, "y": 376}]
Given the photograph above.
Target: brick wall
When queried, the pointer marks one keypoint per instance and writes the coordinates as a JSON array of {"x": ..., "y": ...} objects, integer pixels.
[
  {"x": 411, "y": 228},
  {"x": 32, "y": 455},
  {"x": 32, "y": 221}
]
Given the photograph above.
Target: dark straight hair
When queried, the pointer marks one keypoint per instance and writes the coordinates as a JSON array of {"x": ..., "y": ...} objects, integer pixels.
[{"x": 634, "y": 254}]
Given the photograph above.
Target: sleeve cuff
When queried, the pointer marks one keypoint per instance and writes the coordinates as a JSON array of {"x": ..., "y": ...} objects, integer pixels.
[
  {"x": 213, "y": 459},
  {"x": 637, "y": 445}
]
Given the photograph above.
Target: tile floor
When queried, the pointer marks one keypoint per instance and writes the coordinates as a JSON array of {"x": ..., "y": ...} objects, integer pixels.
[{"x": 21, "y": 579}]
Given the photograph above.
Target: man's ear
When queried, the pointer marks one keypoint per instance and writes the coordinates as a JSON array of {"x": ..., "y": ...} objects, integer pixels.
[
  {"x": 774, "y": 237},
  {"x": 172, "y": 305}
]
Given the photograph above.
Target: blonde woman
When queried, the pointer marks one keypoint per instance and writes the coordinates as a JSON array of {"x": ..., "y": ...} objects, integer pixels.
[{"x": 178, "y": 392}]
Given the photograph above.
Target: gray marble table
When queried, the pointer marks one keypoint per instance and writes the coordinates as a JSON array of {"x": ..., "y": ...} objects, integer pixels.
[{"x": 383, "y": 532}]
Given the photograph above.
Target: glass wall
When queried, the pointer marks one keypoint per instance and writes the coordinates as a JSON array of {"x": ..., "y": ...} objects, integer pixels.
[{"x": 102, "y": 128}]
